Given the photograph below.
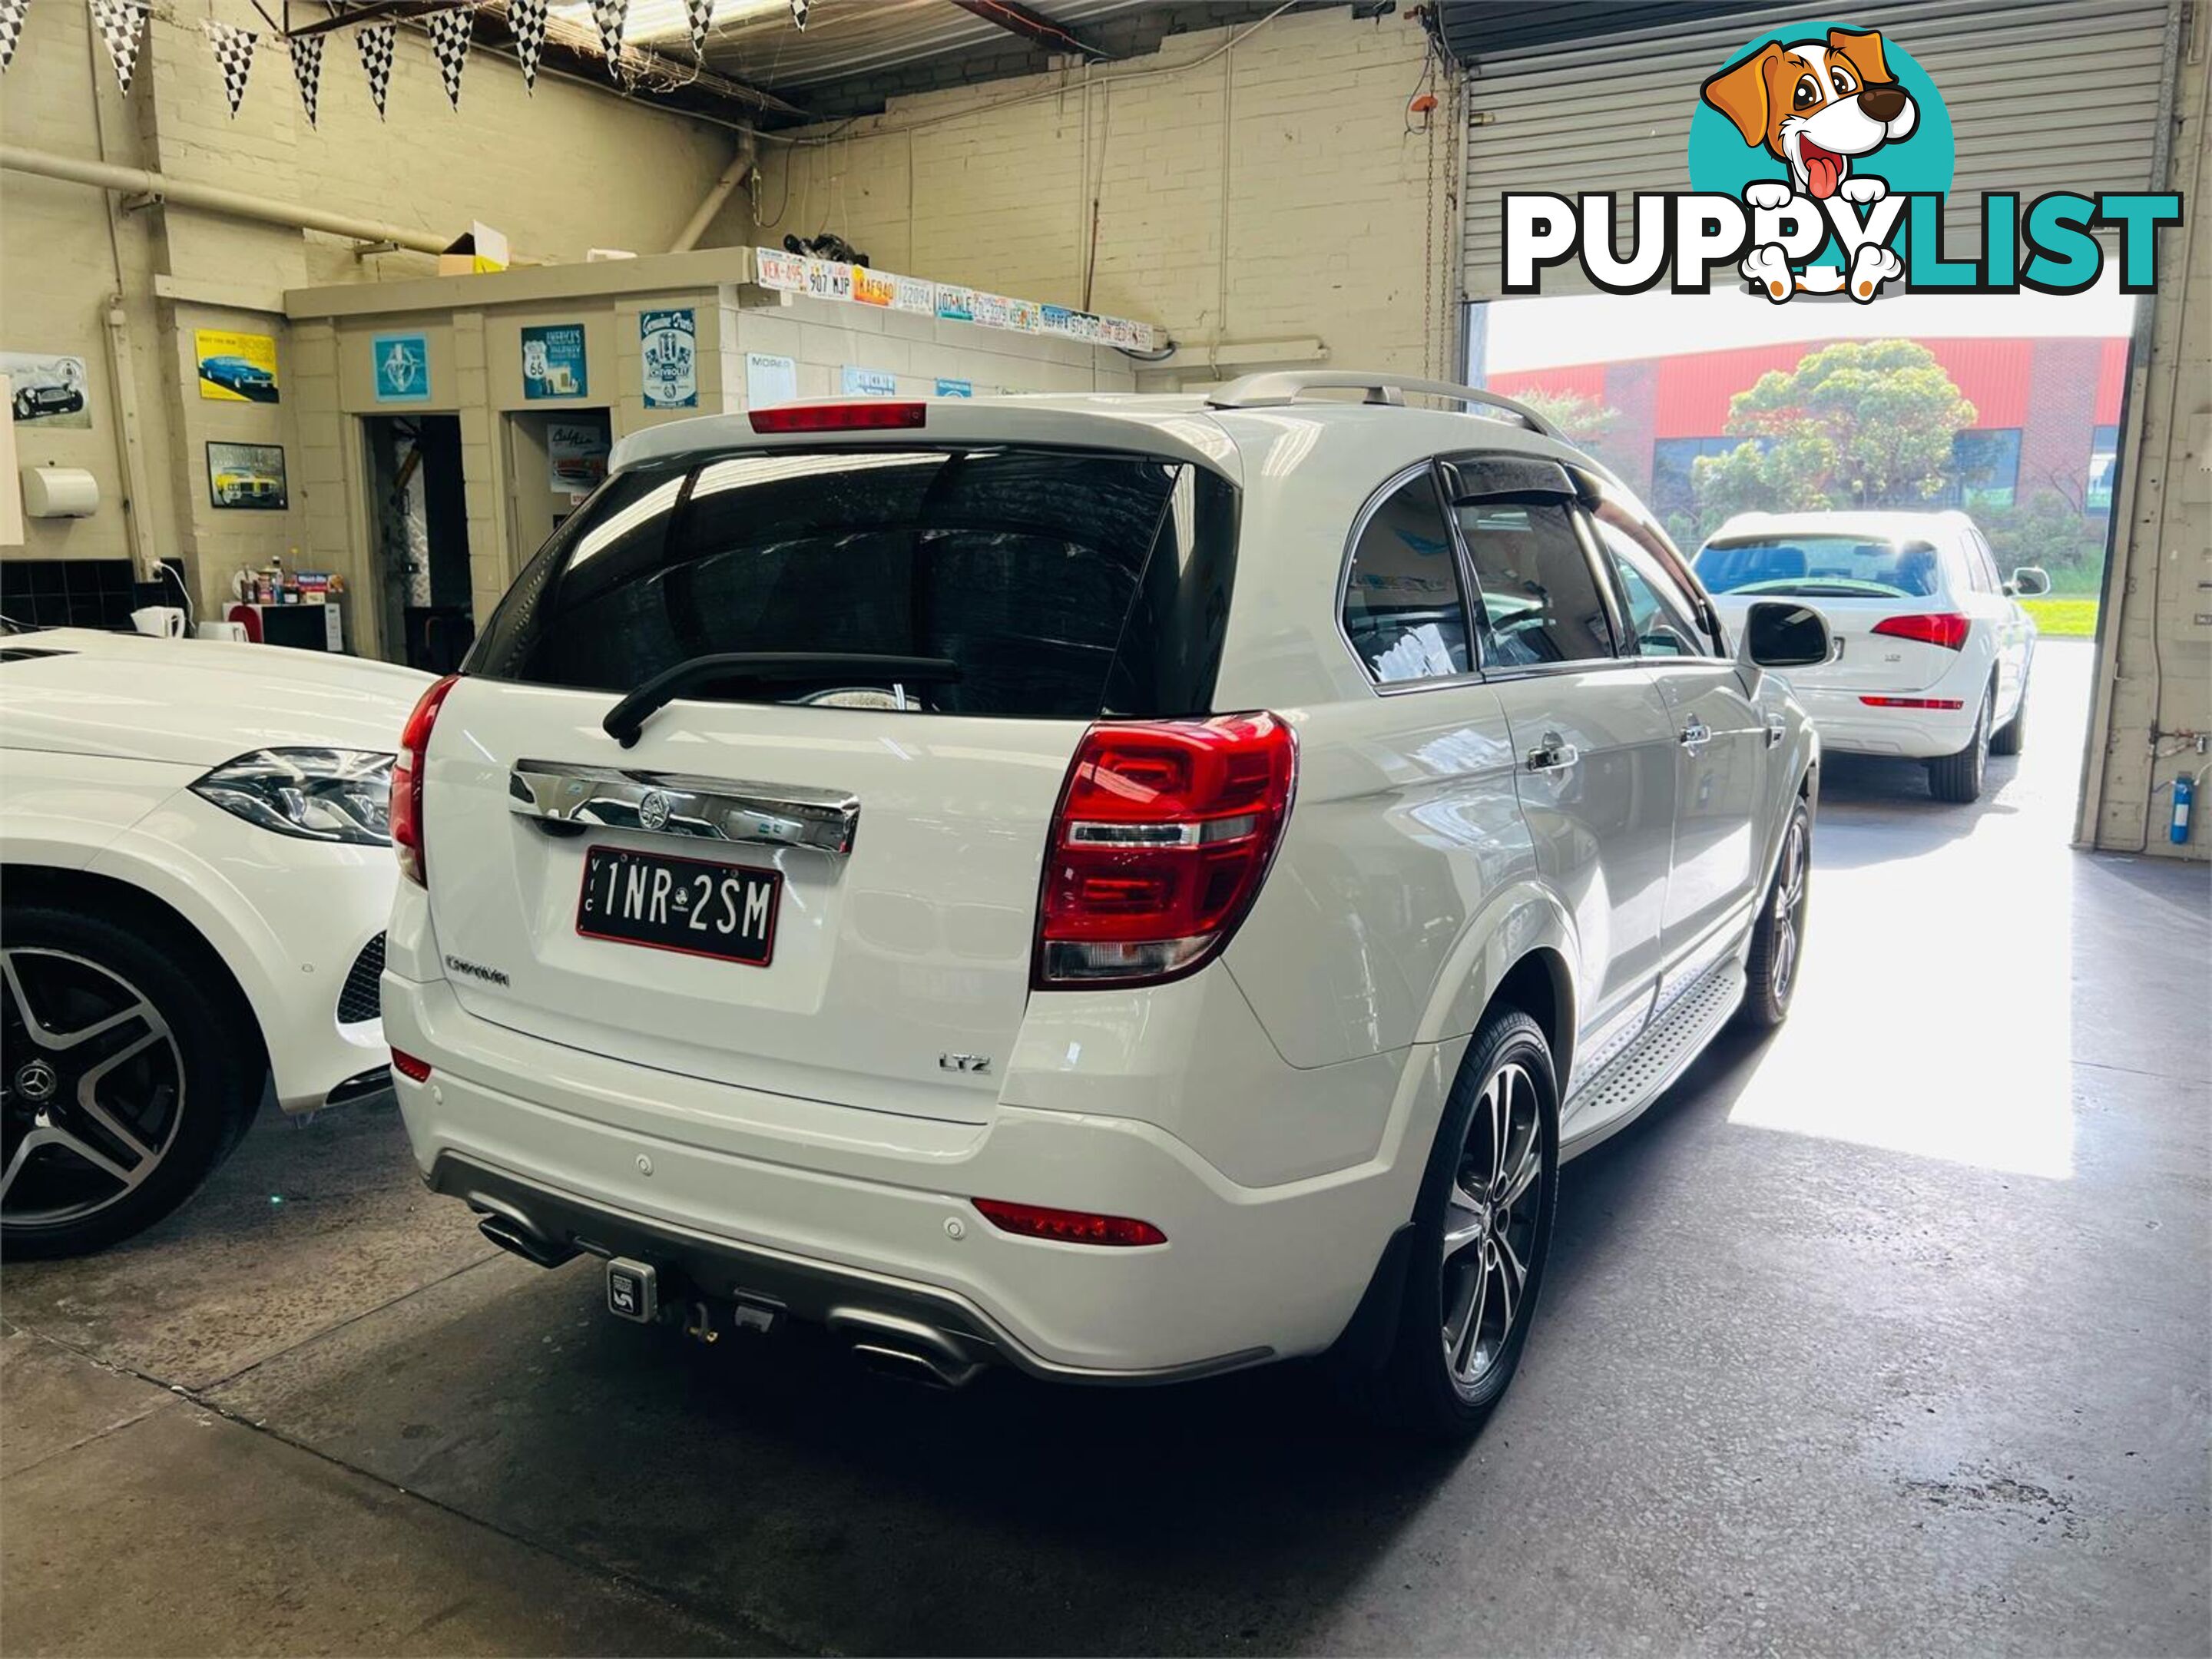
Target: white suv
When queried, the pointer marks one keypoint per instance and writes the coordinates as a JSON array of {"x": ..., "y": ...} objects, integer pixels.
[
  {"x": 1932, "y": 647},
  {"x": 1127, "y": 887}
]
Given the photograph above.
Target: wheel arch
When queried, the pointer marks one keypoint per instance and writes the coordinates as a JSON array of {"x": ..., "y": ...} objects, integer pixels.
[{"x": 58, "y": 886}]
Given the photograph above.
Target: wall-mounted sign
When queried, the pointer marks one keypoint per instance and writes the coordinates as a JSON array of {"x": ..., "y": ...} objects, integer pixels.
[
  {"x": 553, "y": 362},
  {"x": 828, "y": 279},
  {"x": 577, "y": 451},
  {"x": 246, "y": 475},
  {"x": 46, "y": 387},
  {"x": 868, "y": 382},
  {"x": 670, "y": 340},
  {"x": 769, "y": 380},
  {"x": 955, "y": 388},
  {"x": 235, "y": 368},
  {"x": 403, "y": 368}
]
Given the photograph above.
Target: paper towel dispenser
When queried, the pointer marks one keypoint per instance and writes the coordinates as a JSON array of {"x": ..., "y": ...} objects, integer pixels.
[{"x": 59, "y": 492}]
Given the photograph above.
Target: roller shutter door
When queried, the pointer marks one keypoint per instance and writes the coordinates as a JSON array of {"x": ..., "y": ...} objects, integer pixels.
[{"x": 2060, "y": 94}]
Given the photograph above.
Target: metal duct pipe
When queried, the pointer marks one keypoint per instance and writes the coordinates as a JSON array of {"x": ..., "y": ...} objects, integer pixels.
[
  {"x": 104, "y": 175},
  {"x": 736, "y": 173}
]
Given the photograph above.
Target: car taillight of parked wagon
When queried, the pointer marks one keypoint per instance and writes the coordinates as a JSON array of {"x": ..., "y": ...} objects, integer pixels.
[{"x": 1164, "y": 831}]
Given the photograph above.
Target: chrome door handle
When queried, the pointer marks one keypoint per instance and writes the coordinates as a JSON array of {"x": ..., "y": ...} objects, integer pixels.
[
  {"x": 668, "y": 803},
  {"x": 1696, "y": 735},
  {"x": 1556, "y": 756},
  {"x": 1776, "y": 729}
]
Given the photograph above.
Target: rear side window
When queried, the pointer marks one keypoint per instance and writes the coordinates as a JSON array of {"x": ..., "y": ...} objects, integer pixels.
[
  {"x": 1403, "y": 609},
  {"x": 1540, "y": 602},
  {"x": 1060, "y": 584}
]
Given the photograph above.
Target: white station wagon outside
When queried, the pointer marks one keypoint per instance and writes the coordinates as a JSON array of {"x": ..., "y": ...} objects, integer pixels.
[{"x": 1126, "y": 887}]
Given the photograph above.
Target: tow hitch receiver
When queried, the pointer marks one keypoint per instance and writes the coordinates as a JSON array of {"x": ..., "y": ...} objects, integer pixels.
[{"x": 633, "y": 1289}]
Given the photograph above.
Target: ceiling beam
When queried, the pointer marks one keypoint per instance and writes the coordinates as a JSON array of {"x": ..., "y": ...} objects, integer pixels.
[{"x": 1033, "y": 27}]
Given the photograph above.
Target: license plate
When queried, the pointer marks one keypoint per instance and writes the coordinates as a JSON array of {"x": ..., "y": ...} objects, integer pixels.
[{"x": 726, "y": 911}]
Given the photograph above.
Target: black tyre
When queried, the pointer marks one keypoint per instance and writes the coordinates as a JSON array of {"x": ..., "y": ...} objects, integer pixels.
[
  {"x": 124, "y": 1079},
  {"x": 1958, "y": 778},
  {"x": 1482, "y": 1230},
  {"x": 2012, "y": 737},
  {"x": 1778, "y": 938}
]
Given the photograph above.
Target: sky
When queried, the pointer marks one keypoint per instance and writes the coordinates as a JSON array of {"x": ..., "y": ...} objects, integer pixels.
[{"x": 1606, "y": 328}]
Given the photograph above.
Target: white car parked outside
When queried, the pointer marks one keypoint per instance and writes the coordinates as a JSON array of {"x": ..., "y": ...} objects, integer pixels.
[
  {"x": 1934, "y": 646},
  {"x": 1124, "y": 887},
  {"x": 195, "y": 871}
]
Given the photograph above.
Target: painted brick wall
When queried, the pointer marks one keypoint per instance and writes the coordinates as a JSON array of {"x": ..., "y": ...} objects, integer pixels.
[{"x": 1328, "y": 194}]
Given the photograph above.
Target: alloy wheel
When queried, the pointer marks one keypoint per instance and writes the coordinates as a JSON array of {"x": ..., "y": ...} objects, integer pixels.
[
  {"x": 1489, "y": 1224},
  {"x": 1790, "y": 882},
  {"x": 91, "y": 1086}
]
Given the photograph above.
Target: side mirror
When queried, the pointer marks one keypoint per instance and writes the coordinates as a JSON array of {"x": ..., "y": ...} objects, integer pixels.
[
  {"x": 1776, "y": 635},
  {"x": 2030, "y": 582}
]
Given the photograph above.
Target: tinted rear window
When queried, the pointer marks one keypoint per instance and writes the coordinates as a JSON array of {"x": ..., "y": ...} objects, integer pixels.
[
  {"x": 1833, "y": 567},
  {"x": 1060, "y": 583}
]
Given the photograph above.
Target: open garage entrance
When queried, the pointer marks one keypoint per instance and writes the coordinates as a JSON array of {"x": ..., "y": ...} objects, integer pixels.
[{"x": 419, "y": 520}]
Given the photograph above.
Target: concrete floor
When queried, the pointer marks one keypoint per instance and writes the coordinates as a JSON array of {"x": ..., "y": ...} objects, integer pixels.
[{"x": 1890, "y": 1334}]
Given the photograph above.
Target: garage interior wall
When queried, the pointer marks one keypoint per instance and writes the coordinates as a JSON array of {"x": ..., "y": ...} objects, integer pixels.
[
  {"x": 560, "y": 172},
  {"x": 1318, "y": 211},
  {"x": 2154, "y": 699}
]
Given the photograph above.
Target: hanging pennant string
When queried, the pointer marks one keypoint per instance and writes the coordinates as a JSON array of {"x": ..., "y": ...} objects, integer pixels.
[
  {"x": 234, "y": 55},
  {"x": 122, "y": 25},
  {"x": 702, "y": 13},
  {"x": 450, "y": 35},
  {"x": 307, "y": 68},
  {"x": 527, "y": 19},
  {"x": 612, "y": 15},
  {"x": 375, "y": 43},
  {"x": 11, "y": 28},
  {"x": 798, "y": 14}
]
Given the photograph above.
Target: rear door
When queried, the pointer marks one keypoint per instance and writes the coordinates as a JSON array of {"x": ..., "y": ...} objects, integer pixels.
[
  {"x": 811, "y": 877},
  {"x": 1593, "y": 741}
]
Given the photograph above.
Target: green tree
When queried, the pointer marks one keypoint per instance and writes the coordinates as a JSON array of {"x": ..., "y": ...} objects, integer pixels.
[
  {"x": 2051, "y": 532},
  {"x": 1862, "y": 424},
  {"x": 1582, "y": 420}
]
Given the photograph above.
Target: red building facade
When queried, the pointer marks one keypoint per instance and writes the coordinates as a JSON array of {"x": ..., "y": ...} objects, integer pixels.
[{"x": 2046, "y": 413}]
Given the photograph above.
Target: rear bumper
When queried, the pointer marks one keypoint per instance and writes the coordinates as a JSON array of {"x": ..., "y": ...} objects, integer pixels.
[
  {"x": 834, "y": 1212},
  {"x": 1849, "y": 725}
]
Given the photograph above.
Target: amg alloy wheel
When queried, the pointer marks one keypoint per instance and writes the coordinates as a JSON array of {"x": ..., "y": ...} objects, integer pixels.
[
  {"x": 126, "y": 1076},
  {"x": 1778, "y": 938}
]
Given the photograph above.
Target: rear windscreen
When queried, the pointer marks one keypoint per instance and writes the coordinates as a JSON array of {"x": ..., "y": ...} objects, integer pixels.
[
  {"x": 1056, "y": 583},
  {"x": 1832, "y": 566}
]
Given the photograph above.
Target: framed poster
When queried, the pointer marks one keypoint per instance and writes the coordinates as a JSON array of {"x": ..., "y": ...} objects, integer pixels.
[
  {"x": 246, "y": 476},
  {"x": 577, "y": 453},
  {"x": 47, "y": 388},
  {"x": 769, "y": 380},
  {"x": 859, "y": 382},
  {"x": 235, "y": 368},
  {"x": 402, "y": 367},
  {"x": 670, "y": 340},
  {"x": 553, "y": 362}
]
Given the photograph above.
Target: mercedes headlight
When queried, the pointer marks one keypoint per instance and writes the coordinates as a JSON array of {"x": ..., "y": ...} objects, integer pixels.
[{"x": 317, "y": 794}]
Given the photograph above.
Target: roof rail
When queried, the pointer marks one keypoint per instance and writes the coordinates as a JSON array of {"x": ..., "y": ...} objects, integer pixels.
[{"x": 1284, "y": 387}]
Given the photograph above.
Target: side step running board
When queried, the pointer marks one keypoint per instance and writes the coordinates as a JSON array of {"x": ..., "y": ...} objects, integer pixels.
[{"x": 1643, "y": 1071}]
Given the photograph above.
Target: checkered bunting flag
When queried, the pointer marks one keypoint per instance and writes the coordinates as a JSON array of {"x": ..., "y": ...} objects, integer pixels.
[
  {"x": 122, "y": 25},
  {"x": 307, "y": 68},
  {"x": 375, "y": 43},
  {"x": 449, "y": 42},
  {"x": 611, "y": 16},
  {"x": 702, "y": 13},
  {"x": 527, "y": 19},
  {"x": 11, "y": 25},
  {"x": 798, "y": 14},
  {"x": 234, "y": 55}
]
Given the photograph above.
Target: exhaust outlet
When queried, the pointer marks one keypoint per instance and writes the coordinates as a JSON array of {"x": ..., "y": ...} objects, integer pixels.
[
  {"x": 904, "y": 1347},
  {"x": 510, "y": 1230}
]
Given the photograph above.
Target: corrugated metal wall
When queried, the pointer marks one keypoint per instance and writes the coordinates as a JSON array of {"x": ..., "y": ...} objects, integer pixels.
[{"x": 2046, "y": 94}]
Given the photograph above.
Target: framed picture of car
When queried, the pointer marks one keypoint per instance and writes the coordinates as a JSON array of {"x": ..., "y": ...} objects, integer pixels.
[
  {"x": 46, "y": 387},
  {"x": 234, "y": 367},
  {"x": 247, "y": 475}
]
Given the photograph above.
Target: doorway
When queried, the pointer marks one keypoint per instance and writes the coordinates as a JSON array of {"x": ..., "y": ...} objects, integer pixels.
[
  {"x": 419, "y": 514},
  {"x": 554, "y": 461}
]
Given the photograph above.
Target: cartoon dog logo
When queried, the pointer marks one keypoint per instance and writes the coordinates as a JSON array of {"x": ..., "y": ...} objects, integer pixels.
[{"x": 1818, "y": 105}]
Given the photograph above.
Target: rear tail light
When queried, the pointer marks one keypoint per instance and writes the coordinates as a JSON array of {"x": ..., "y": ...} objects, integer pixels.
[
  {"x": 1164, "y": 834},
  {"x": 1069, "y": 1226},
  {"x": 876, "y": 415},
  {"x": 1912, "y": 702},
  {"x": 1942, "y": 628},
  {"x": 407, "y": 1066},
  {"x": 406, "y": 818}
]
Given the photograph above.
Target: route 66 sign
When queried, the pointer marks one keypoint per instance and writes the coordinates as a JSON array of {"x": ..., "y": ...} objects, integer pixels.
[{"x": 670, "y": 340}]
